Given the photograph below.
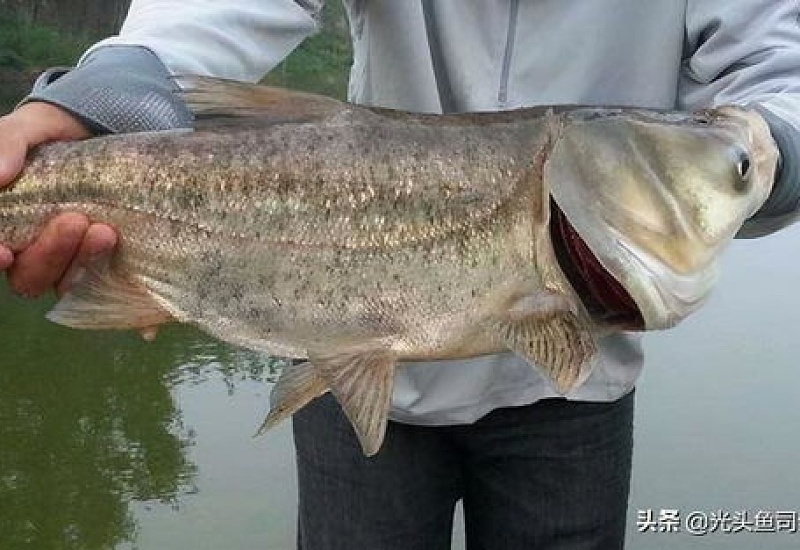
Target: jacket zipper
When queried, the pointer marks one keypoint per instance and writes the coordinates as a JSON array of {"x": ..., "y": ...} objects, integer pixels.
[
  {"x": 513, "y": 11},
  {"x": 446, "y": 97}
]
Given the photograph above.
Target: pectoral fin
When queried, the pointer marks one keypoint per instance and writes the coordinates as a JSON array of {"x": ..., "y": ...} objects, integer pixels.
[
  {"x": 361, "y": 379},
  {"x": 101, "y": 299},
  {"x": 549, "y": 334}
]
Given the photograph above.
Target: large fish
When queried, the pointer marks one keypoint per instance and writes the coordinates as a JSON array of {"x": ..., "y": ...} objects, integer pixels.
[{"x": 358, "y": 238}]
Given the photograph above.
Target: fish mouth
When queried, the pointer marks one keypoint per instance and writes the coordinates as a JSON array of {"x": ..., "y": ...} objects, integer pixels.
[
  {"x": 627, "y": 288},
  {"x": 603, "y": 296}
]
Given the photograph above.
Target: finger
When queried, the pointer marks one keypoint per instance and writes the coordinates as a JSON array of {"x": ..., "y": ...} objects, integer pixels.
[
  {"x": 31, "y": 125},
  {"x": 12, "y": 155},
  {"x": 98, "y": 243},
  {"x": 40, "y": 266},
  {"x": 6, "y": 258}
]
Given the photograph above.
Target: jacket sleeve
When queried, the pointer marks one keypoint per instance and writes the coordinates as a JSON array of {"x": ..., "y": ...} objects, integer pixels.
[
  {"x": 124, "y": 84},
  {"x": 748, "y": 53},
  {"x": 238, "y": 39}
]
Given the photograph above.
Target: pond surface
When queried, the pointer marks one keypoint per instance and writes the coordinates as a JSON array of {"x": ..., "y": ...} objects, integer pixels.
[
  {"x": 108, "y": 442},
  {"x": 103, "y": 435}
]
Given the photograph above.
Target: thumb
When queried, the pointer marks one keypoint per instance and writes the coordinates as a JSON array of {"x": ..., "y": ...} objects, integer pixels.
[{"x": 31, "y": 125}]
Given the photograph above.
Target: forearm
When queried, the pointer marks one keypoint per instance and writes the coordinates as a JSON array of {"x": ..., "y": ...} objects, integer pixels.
[
  {"x": 237, "y": 39},
  {"x": 783, "y": 205}
]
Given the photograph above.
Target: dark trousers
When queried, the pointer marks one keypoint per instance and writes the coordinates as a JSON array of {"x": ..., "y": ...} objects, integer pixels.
[{"x": 549, "y": 476}]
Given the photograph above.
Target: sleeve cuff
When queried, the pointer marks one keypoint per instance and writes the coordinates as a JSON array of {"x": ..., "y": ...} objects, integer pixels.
[
  {"x": 116, "y": 89},
  {"x": 783, "y": 204}
]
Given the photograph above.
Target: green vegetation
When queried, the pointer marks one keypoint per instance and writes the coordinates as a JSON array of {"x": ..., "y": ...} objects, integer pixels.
[
  {"x": 322, "y": 63},
  {"x": 26, "y": 45},
  {"x": 25, "y": 50}
]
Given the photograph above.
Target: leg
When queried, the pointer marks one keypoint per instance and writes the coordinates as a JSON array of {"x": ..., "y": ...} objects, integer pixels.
[
  {"x": 401, "y": 499},
  {"x": 552, "y": 476}
]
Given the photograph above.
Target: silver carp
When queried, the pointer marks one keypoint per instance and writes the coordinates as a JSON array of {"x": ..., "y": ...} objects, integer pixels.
[{"x": 358, "y": 238}]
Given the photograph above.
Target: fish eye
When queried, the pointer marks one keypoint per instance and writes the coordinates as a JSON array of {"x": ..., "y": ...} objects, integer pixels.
[
  {"x": 744, "y": 171},
  {"x": 743, "y": 166}
]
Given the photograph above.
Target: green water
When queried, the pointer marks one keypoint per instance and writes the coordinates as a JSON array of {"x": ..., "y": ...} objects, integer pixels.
[{"x": 91, "y": 426}]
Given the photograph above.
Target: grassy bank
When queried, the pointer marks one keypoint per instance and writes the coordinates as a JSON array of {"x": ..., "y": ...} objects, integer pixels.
[
  {"x": 26, "y": 49},
  {"x": 28, "y": 46},
  {"x": 320, "y": 64}
]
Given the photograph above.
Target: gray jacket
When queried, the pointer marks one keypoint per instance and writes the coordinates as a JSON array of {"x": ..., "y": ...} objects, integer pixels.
[{"x": 465, "y": 55}]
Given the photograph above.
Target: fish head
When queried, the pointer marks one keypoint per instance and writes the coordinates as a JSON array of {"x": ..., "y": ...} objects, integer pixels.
[{"x": 658, "y": 196}]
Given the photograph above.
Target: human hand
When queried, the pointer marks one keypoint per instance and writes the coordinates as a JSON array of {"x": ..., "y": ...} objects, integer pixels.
[{"x": 69, "y": 241}]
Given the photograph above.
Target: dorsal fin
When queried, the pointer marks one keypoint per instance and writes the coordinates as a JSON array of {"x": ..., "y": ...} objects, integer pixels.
[{"x": 215, "y": 97}]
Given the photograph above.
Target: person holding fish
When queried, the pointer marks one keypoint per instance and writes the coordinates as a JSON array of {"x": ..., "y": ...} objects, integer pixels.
[{"x": 541, "y": 456}]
